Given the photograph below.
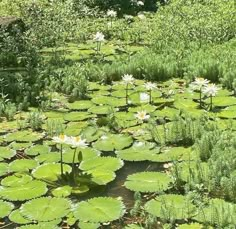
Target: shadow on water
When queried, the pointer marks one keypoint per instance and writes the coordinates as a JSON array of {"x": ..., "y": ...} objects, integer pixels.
[{"x": 117, "y": 189}]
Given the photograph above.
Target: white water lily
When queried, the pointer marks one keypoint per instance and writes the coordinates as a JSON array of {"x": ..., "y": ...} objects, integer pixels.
[
  {"x": 111, "y": 13},
  {"x": 99, "y": 37},
  {"x": 61, "y": 139},
  {"x": 199, "y": 83},
  {"x": 144, "y": 97},
  {"x": 77, "y": 142},
  {"x": 141, "y": 16},
  {"x": 128, "y": 17},
  {"x": 211, "y": 90},
  {"x": 140, "y": 3},
  {"x": 142, "y": 115},
  {"x": 128, "y": 79},
  {"x": 150, "y": 86}
]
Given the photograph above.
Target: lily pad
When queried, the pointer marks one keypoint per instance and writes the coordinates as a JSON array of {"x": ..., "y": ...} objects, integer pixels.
[
  {"x": 24, "y": 136},
  {"x": 99, "y": 210},
  {"x": 4, "y": 169},
  {"x": 112, "y": 142},
  {"x": 37, "y": 149},
  {"x": 63, "y": 191},
  {"x": 78, "y": 116},
  {"x": 6, "y": 153},
  {"x": 50, "y": 171},
  {"x": 26, "y": 191},
  {"x": 15, "y": 180},
  {"x": 148, "y": 182},
  {"x": 16, "y": 217},
  {"x": 5, "y": 208},
  {"x": 50, "y": 209},
  {"x": 102, "y": 163},
  {"x": 80, "y": 105},
  {"x": 22, "y": 165}
]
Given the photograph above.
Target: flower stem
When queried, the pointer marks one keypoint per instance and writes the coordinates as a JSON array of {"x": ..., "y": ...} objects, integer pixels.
[
  {"x": 211, "y": 103},
  {"x": 61, "y": 162},
  {"x": 150, "y": 96},
  {"x": 127, "y": 85},
  {"x": 200, "y": 99},
  {"x": 73, "y": 166}
]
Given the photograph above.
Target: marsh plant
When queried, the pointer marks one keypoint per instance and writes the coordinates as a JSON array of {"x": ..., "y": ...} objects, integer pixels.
[
  {"x": 111, "y": 14},
  {"x": 35, "y": 120}
]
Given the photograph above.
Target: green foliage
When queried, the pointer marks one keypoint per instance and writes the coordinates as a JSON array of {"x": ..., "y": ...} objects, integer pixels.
[
  {"x": 51, "y": 209},
  {"x": 148, "y": 182},
  {"x": 99, "y": 209},
  {"x": 5, "y": 208}
]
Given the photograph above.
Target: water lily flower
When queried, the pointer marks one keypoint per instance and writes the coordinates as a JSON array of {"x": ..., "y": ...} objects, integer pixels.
[
  {"x": 99, "y": 37},
  {"x": 141, "y": 16},
  {"x": 111, "y": 13},
  {"x": 128, "y": 17},
  {"x": 128, "y": 79},
  {"x": 144, "y": 97},
  {"x": 210, "y": 90},
  {"x": 61, "y": 139},
  {"x": 77, "y": 142},
  {"x": 199, "y": 83},
  {"x": 142, "y": 115},
  {"x": 140, "y": 3},
  {"x": 150, "y": 86}
]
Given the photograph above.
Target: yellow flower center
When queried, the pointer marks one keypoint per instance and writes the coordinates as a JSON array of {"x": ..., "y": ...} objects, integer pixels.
[
  {"x": 77, "y": 139},
  {"x": 62, "y": 137}
]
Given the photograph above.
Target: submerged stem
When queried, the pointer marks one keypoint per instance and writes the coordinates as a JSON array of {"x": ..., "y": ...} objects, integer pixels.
[{"x": 61, "y": 162}]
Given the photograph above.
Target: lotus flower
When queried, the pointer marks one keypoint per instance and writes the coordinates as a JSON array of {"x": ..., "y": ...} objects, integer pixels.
[
  {"x": 142, "y": 115},
  {"x": 61, "y": 139},
  {"x": 77, "y": 142},
  {"x": 99, "y": 37},
  {"x": 211, "y": 91},
  {"x": 128, "y": 79},
  {"x": 150, "y": 86},
  {"x": 111, "y": 13}
]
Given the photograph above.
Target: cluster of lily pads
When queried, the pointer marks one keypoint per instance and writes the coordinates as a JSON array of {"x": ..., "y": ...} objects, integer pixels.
[{"x": 44, "y": 178}]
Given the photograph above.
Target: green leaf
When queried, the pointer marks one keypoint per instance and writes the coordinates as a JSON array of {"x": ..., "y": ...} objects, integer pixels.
[
  {"x": 26, "y": 191},
  {"x": 4, "y": 169},
  {"x": 24, "y": 136},
  {"x": 80, "y": 105},
  {"x": 16, "y": 217},
  {"x": 15, "y": 180},
  {"x": 37, "y": 149},
  {"x": 78, "y": 116},
  {"x": 148, "y": 182},
  {"x": 50, "y": 209},
  {"x": 102, "y": 163},
  {"x": 50, "y": 171},
  {"x": 171, "y": 207},
  {"x": 101, "y": 110},
  {"x": 85, "y": 225},
  {"x": 63, "y": 191},
  {"x": 22, "y": 165},
  {"x": 99, "y": 210},
  {"x": 112, "y": 142},
  {"x": 6, "y": 153},
  {"x": 5, "y": 208},
  {"x": 192, "y": 226}
]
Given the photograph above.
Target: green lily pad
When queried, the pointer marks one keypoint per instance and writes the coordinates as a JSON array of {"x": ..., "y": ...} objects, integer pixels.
[
  {"x": 26, "y": 191},
  {"x": 148, "y": 182},
  {"x": 106, "y": 100},
  {"x": 102, "y": 163},
  {"x": 112, "y": 142},
  {"x": 16, "y": 217},
  {"x": 80, "y": 105},
  {"x": 4, "y": 169},
  {"x": 75, "y": 128},
  {"x": 24, "y": 136},
  {"x": 15, "y": 180},
  {"x": 78, "y": 116},
  {"x": 20, "y": 145},
  {"x": 101, "y": 110},
  {"x": 99, "y": 210},
  {"x": 62, "y": 191},
  {"x": 37, "y": 149},
  {"x": 224, "y": 101},
  {"x": 22, "y": 165},
  {"x": 48, "y": 158},
  {"x": 5, "y": 208},
  {"x": 50, "y": 209},
  {"x": 171, "y": 207},
  {"x": 86, "y": 225},
  {"x": 50, "y": 171},
  {"x": 6, "y": 153}
]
